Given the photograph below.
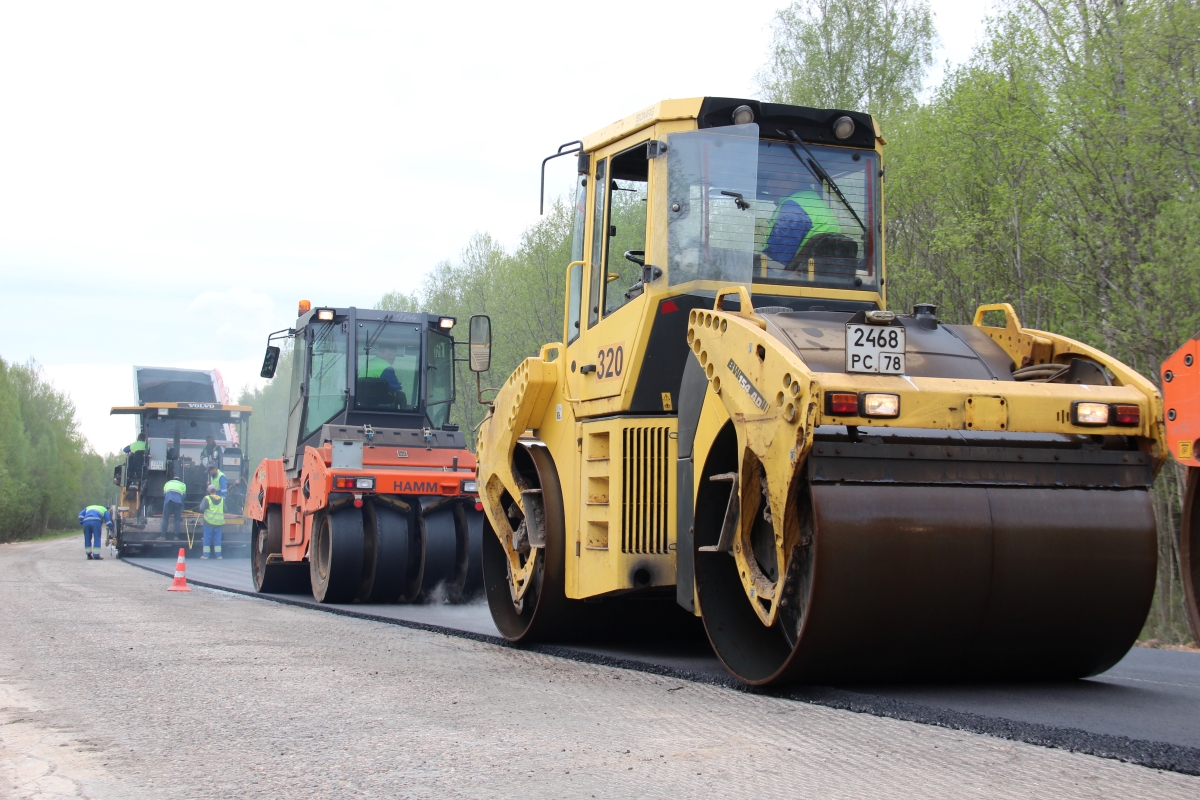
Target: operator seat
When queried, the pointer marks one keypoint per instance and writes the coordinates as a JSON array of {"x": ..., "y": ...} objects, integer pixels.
[{"x": 834, "y": 255}]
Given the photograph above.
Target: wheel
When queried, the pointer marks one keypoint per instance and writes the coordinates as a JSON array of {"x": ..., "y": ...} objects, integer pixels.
[
  {"x": 1189, "y": 551},
  {"x": 274, "y": 576},
  {"x": 335, "y": 555},
  {"x": 544, "y": 610},
  {"x": 447, "y": 544},
  {"x": 385, "y": 554}
]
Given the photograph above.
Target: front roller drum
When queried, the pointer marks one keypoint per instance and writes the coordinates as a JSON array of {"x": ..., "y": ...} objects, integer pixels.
[
  {"x": 941, "y": 582},
  {"x": 335, "y": 556}
]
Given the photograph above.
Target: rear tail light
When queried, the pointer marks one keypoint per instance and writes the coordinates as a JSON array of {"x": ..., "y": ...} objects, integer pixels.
[
  {"x": 1130, "y": 416},
  {"x": 842, "y": 403},
  {"x": 1091, "y": 414},
  {"x": 878, "y": 404},
  {"x": 353, "y": 482}
]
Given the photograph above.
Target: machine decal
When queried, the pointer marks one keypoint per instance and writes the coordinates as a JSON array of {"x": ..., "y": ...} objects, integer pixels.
[
  {"x": 401, "y": 454},
  {"x": 755, "y": 396},
  {"x": 425, "y": 487},
  {"x": 610, "y": 361}
]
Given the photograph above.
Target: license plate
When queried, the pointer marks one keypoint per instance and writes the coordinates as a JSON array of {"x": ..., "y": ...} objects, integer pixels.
[{"x": 875, "y": 348}]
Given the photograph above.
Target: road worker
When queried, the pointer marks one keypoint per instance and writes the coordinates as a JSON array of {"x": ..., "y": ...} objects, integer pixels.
[
  {"x": 216, "y": 479},
  {"x": 211, "y": 454},
  {"x": 213, "y": 509},
  {"x": 174, "y": 491},
  {"x": 91, "y": 518},
  {"x": 381, "y": 365},
  {"x": 136, "y": 446},
  {"x": 799, "y": 217}
]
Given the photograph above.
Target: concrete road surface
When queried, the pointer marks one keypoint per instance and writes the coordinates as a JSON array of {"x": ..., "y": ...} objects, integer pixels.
[{"x": 111, "y": 687}]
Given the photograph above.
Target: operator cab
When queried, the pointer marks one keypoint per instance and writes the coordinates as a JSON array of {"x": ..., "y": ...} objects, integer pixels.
[{"x": 357, "y": 367}]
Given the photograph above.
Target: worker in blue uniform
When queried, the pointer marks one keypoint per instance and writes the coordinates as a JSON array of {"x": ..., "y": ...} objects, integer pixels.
[
  {"x": 138, "y": 445},
  {"x": 92, "y": 518}
]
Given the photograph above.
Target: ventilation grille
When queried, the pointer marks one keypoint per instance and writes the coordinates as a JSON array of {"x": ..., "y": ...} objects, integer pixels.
[{"x": 644, "y": 481}]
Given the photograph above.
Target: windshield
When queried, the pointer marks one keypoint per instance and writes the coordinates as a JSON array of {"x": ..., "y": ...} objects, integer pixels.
[
  {"x": 388, "y": 360},
  {"x": 804, "y": 234}
]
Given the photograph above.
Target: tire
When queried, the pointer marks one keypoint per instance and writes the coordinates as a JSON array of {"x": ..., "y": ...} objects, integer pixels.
[
  {"x": 266, "y": 539},
  {"x": 446, "y": 548},
  {"x": 335, "y": 556},
  {"x": 385, "y": 554}
]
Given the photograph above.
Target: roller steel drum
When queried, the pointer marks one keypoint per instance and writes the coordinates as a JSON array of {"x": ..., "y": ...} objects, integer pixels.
[{"x": 960, "y": 581}]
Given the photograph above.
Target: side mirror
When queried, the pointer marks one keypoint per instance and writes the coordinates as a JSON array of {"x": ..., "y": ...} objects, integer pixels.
[
  {"x": 117, "y": 476},
  {"x": 480, "y": 343},
  {"x": 270, "y": 362}
]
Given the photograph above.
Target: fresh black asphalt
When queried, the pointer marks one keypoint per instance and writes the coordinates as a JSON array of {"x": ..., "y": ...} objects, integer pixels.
[{"x": 1145, "y": 710}]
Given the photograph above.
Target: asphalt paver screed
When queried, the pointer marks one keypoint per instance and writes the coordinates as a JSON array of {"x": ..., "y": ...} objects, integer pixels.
[{"x": 112, "y": 687}]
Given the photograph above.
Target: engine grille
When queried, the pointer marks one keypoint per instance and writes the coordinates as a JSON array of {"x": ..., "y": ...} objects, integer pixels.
[{"x": 645, "y": 475}]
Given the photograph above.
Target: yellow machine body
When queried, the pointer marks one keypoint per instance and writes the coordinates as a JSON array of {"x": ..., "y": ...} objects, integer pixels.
[{"x": 754, "y": 364}]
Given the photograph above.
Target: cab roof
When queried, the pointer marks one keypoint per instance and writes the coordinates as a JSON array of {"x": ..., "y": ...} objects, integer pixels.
[{"x": 814, "y": 125}]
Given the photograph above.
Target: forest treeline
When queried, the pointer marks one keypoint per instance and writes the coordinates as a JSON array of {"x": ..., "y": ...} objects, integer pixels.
[{"x": 47, "y": 470}]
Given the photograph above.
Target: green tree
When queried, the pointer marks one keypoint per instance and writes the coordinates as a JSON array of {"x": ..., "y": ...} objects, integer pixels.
[{"x": 865, "y": 55}]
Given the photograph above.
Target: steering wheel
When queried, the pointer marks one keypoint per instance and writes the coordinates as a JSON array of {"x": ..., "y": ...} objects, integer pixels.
[{"x": 636, "y": 256}]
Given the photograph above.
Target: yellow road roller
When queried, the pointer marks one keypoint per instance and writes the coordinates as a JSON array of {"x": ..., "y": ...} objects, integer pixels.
[{"x": 840, "y": 491}]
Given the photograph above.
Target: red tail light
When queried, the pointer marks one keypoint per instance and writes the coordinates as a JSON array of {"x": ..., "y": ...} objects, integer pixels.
[
  {"x": 1127, "y": 415},
  {"x": 842, "y": 403}
]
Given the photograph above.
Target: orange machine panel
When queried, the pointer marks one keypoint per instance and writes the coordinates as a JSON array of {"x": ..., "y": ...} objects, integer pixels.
[
  {"x": 266, "y": 488},
  {"x": 1181, "y": 401}
]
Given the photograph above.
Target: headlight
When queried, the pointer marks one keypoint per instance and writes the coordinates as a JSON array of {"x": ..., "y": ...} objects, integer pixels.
[
  {"x": 468, "y": 487},
  {"x": 843, "y": 127},
  {"x": 325, "y": 314},
  {"x": 1085, "y": 413},
  {"x": 878, "y": 404}
]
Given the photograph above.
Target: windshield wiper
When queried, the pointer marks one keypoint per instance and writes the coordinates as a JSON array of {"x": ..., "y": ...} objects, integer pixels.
[{"x": 822, "y": 175}]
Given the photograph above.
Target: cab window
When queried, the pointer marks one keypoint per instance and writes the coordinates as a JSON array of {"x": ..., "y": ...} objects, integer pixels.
[
  {"x": 440, "y": 366},
  {"x": 627, "y": 209},
  {"x": 326, "y": 375},
  {"x": 575, "y": 280},
  {"x": 599, "y": 196}
]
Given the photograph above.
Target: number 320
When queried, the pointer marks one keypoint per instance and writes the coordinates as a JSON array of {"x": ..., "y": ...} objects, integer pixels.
[{"x": 609, "y": 362}]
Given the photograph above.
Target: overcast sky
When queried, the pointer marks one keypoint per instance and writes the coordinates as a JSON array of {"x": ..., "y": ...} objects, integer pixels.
[{"x": 174, "y": 177}]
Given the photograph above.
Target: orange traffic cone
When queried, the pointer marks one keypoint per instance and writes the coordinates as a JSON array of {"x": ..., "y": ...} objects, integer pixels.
[{"x": 180, "y": 582}]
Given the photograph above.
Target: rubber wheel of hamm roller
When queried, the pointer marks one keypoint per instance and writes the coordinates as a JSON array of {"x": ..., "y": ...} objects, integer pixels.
[
  {"x": 385, "y": 554},
  {"x": 335, "y": 558},
  {"x": 266, "y": 539},
  {"x": 446, "y": 541},
  {"x": 1189, "y": 550},
  {"x": 545, "y": 610},
  {"x": 472, "y": 521}
]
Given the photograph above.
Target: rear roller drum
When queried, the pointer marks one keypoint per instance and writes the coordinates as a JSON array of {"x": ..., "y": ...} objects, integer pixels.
[
  {"x": 543, "y": 610},
  {"x": 385, "y": 554},
  {"x": 335, "y": 556}
]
